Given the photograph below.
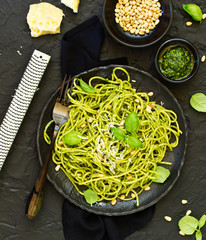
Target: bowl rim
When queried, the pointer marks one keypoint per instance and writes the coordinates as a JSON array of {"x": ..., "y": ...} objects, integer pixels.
[
  {"x": 183, "y": 42},
  {"x": 134, "y": 45}
]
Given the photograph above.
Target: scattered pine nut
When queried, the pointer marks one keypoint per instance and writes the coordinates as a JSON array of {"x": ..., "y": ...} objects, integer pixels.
[
  {"x": 181, "y": 233},
  {"x": 147, "y": 188},
  {"x": 139, "y": 154},
  {"x": 113, "y": 202},
  {"x": 122, "y": 122},
  {"x": 148, "y": 109},
  {"x": 109, "y": 107},
  {"x": 133, "y": 152},
  {"x": 204, "y": 16},
  {"x": 133, "y": 195},
  {"x": 129, "y": 177},
  {"x": 188, "y": 212},
  {"x": 122, "y": 197},
  {"x": 100, "y": 175},
  {"x": 150, "y": 94},
  {"x": 57, "y": 168},
  {"x": 90, "y": 120},
  {"x": 188, "y": 23},
  {"x": 136, "y": 100},
  {"x": 167, "y": 218},
  {"x": 203, "y": 58},
  {"x": 139, "y": 107},
  {"x": 184, "y": 201},
  {"x": 83, "y": 125}
]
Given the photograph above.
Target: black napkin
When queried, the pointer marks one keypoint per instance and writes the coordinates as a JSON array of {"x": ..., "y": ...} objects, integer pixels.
[{"x": 80, "y": 51}]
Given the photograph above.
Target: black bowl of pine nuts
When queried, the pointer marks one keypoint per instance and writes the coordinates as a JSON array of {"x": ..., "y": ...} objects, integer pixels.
[{"x": 137, "y": 23}]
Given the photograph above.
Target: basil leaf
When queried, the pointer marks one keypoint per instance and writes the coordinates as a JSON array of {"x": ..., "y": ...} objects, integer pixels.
[
  {"x": 188, "y": 224},
  {"x": 163, "y": 174},
  {"x": 198, "y": 102},
  {"x": 90, "y": 196},
  {"x": 131, "y": 122},
  {"x": 202, "y": 221},
  {"x": 118, "y": 133},
  {"x": 72, "y": 138},
  {"x": 134, "y": 142},
  {"x": 86, "y": 87},
  {"x": 193, "y": 10},
  {"x": 198, "y": 235}
]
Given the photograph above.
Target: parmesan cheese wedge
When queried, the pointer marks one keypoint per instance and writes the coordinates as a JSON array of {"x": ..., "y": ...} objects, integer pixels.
[
  {"x": 73, "y": 4},
  {"x": 44, "y": 18}
]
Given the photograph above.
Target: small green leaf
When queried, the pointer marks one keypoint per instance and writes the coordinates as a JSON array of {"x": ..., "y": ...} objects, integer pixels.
[
  {"x": 132, "y": 122},
  {"x": 188, "y": 224},
  {"x": 198, "y": 102},
  {"x": 86, "y": 87},
  {"x": 202, "y": 221},
  {"x": 193, "y": 10},
  {"x": 163, "y": 174},
  {"x": 134, "y": 142},
  {"x": 90, "y": 196},
  {"x": 118, "y": 133},
  {"x": 73, "y": 138},
  {"x": 198, "y": 235}
]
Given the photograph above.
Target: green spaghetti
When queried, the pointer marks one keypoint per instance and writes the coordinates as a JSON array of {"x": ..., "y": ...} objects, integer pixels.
[{"x": 110, "y": 167}]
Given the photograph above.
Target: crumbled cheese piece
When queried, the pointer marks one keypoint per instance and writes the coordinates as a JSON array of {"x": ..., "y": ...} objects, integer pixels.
[
  {"x": 73, "y": 4},
  {"x": 44, "y": 18}
]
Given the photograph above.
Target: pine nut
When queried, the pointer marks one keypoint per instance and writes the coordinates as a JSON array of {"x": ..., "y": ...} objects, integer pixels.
[
  {"x": 113, "y": 202},
  {"x": 188, "y": 212},
  {"x": 167, "y": 218},
  {"x": 122, "y": 197},
  {"x": 150, "y": 94},
  {"x": 57, "y": 168},
  {"x": 203, "y": 58},
  {"x": 204, "y": 16},
  {"x": 147, "y": 188},
  {"x": 184, "y": 201},
  {"x": 181, "y": 233},
  {"x": 188, "y": 23},
  {"x": 133, "y": 195}
]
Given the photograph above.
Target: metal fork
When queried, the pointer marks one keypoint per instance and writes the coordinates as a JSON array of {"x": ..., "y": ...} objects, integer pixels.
[{"x": 60, "y": 116}]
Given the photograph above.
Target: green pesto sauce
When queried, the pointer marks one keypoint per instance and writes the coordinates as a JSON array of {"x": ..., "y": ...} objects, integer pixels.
[{"x": 176, "y": 62}]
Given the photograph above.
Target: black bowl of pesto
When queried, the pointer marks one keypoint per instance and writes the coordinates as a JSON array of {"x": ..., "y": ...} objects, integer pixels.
[{"x": 177, "y": 60}]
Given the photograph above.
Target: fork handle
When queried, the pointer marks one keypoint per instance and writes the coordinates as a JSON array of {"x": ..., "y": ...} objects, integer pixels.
[{"x": 35, "y": 197}]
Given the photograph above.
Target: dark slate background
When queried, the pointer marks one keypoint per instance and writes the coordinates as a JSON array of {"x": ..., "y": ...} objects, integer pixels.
[{"x": 22, "y": 165}]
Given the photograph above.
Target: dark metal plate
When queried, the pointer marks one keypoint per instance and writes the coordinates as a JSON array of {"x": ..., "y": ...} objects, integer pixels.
[{"x": 144, "y": 82}]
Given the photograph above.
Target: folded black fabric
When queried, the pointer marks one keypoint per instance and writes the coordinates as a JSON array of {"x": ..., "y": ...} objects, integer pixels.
[
  {"x": 80, "y": 51},
  {"x": 80, "y": 48},
  {"x": 82, "y": 225}
]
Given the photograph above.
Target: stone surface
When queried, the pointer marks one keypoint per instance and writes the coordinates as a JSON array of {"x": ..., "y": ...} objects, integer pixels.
[{"x": 22, "y": 166}]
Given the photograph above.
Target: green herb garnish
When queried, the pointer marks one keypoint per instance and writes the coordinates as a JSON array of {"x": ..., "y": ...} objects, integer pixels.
[
  {"x": 131, "y": 125},
  {"x": 193, "y": 10},
  {"x": 73, "y": 138},
  {"x": 134, "y": 142},
  {"x": 162, "y": 174},
  {"x": 86, "y": 87},
  {"x": 118, "y": 133},
  {"x": 190, "y": 225},
  {"x": 132, "y": 122},
  {"x": 90, "y": 196},
  {"x": 198, "y": 102}
]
